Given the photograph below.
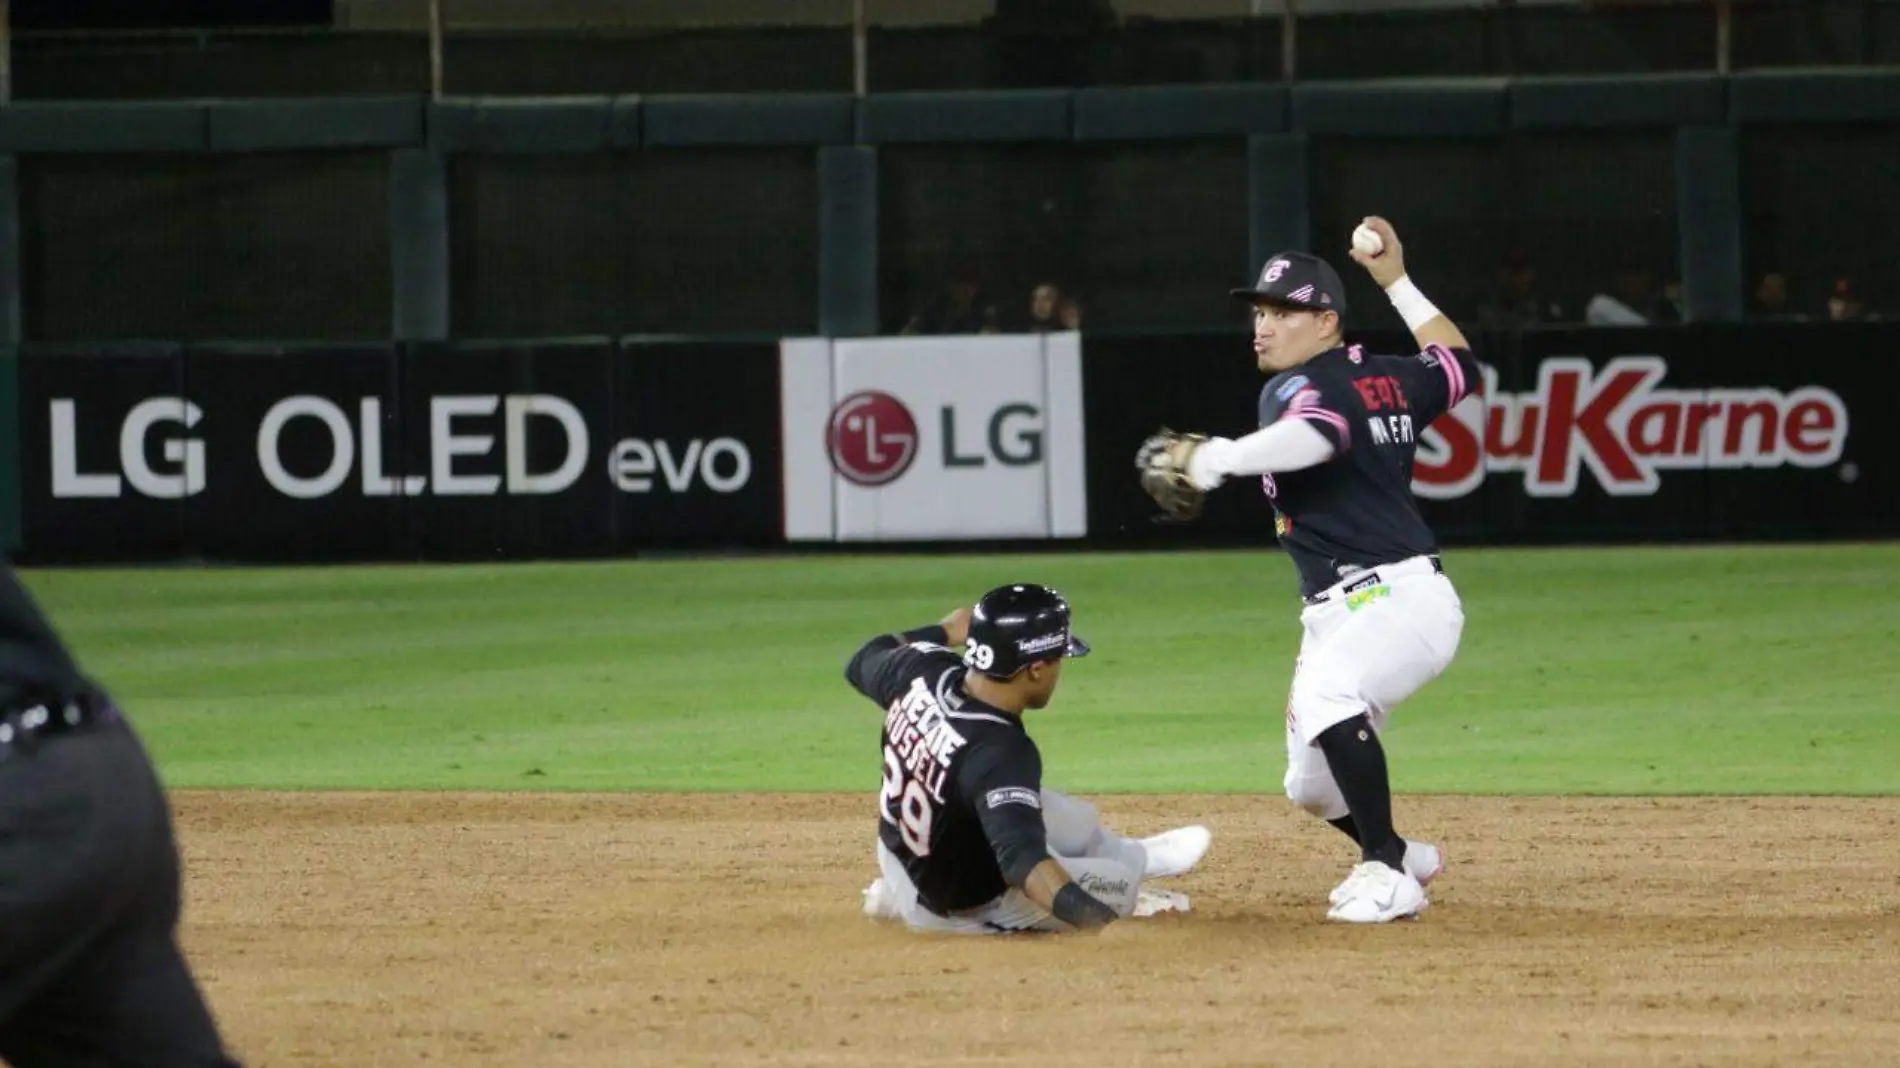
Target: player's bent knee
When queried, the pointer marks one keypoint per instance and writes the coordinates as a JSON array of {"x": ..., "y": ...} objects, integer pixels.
[
  {"x": 1325, "y": 699},
  {"x": 1071, "y": 823},
  {"x": 1317, "y": 794},
  {"x": 1317, "y": 717}
]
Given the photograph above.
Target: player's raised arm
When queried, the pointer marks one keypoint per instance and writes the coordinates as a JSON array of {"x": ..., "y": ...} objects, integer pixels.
[
  {"x": 871, "y": 670},
  {"x": 1384, "y": 259}
]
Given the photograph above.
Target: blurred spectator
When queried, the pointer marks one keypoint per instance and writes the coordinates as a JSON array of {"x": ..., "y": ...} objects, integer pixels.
[
  {"x": 1771, "y": 298},
  {"x": 1844, "y": 303},
  {"x": 1044, "y": 302},
  {"x": 963, "y": 309},
  {"x": 1672, "y": 308},
  {"x": 1630, "y": 302},
  {"x": 1069, "y": 314},
  {"x": 1515, "y": 302}
]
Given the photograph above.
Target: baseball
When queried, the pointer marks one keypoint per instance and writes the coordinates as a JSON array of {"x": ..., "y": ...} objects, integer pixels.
[{"x": 1367, "y": 240}]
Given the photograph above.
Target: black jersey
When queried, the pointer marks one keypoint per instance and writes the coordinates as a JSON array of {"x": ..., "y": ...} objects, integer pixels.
[
  {"x": 962, "y": 798},
  {"x": 1356, "y": 510}
]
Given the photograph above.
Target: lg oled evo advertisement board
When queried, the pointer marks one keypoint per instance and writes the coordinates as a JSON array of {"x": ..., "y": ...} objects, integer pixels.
[{"x": 451, "y": 452}]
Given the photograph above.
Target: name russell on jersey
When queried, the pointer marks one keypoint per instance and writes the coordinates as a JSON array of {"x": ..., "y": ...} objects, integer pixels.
[{"x": 922, "y": 737}]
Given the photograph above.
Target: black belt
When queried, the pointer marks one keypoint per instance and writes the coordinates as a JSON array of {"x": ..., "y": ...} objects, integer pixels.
[
  {"x": 22, "y": 725},
  {"x": 1367, "y": 580}
]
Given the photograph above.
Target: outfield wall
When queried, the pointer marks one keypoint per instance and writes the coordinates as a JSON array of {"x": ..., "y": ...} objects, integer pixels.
[{"x": 586, "y": 447}]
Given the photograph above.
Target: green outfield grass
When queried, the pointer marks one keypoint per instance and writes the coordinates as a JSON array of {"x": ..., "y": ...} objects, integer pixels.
[{"x": 1668, "y": 670}]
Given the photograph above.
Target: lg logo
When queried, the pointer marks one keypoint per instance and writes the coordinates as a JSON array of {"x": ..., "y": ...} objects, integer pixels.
[
  {"x": 872, "y": 438},
  {"x": 187, "y": 453}
]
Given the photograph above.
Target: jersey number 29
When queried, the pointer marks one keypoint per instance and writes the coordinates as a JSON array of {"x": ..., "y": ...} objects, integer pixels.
[{"x": 906, "y": 805}]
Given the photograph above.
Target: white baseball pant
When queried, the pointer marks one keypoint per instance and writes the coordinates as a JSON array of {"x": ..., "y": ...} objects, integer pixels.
[
  {"x": 1100, "y": 861},
  {"x": 1364, "y": 652}
]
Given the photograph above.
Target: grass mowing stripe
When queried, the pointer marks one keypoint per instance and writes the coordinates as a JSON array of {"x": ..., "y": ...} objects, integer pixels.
[{"x": 1721, "y": 669}]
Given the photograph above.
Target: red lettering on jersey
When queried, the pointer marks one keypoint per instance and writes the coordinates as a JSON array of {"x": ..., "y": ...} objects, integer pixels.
[{"x": 1381, "y": 393}]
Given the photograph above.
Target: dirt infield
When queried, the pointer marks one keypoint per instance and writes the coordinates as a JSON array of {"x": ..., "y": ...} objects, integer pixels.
[{"x": 419, "y": 929}]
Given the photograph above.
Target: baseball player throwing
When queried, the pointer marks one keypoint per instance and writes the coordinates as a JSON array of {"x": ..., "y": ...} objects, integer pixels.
[
  {"x": 1338, "y": 431},
  {"x": 969, "y": 840}
]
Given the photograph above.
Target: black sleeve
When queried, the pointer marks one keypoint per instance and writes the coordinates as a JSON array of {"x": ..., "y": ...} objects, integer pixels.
[
  {"x": 1438, "y": 378},
  {"x": 1322, "y": 400},
  {"x": 1003, "y": 784},
  {"x": 880, "y": 668}
]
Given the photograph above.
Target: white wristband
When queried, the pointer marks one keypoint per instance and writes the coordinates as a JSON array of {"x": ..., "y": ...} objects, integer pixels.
[
  {"x": 1410, "y": 303},
  {"x": 1207, "y": 467}
]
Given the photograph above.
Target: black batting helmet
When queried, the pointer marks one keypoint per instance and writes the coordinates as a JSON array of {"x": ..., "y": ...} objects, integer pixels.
[{"x": 1019, "y": 624}]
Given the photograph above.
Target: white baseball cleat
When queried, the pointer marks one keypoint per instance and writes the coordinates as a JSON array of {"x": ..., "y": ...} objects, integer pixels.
[
  {"x": 1377, "y": 893},
  {"x": 1422, "y": 861},
  {"x": 1175, "y": 852},
  {"x": 1151, "y": 901},
  {"x": 880, "y": 903}
]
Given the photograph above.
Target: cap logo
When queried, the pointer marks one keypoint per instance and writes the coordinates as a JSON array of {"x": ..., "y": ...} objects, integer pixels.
[
  {"x": 1302, "y": 293},
  {"x": 1274, "y": 271},
  {"x": 1042, "y": 644}
]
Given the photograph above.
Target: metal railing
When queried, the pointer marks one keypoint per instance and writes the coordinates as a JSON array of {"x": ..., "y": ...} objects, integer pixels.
[
  {"x": 1288, "y": 12},
  {"x": 864, "y": 19}
]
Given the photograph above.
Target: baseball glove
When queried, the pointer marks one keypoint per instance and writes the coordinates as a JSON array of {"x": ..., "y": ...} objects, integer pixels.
[{"x": 1162, "y": 461}]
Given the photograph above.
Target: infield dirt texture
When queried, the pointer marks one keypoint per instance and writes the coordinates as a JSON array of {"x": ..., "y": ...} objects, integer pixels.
[{"x": 620, "y": 814}]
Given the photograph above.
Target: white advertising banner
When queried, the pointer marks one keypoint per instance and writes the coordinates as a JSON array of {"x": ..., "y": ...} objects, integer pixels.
[{"x": 933, "y": 438}]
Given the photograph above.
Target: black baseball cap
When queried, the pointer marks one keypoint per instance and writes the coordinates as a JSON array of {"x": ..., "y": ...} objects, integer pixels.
[{"x": 1299, "y": 280}]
